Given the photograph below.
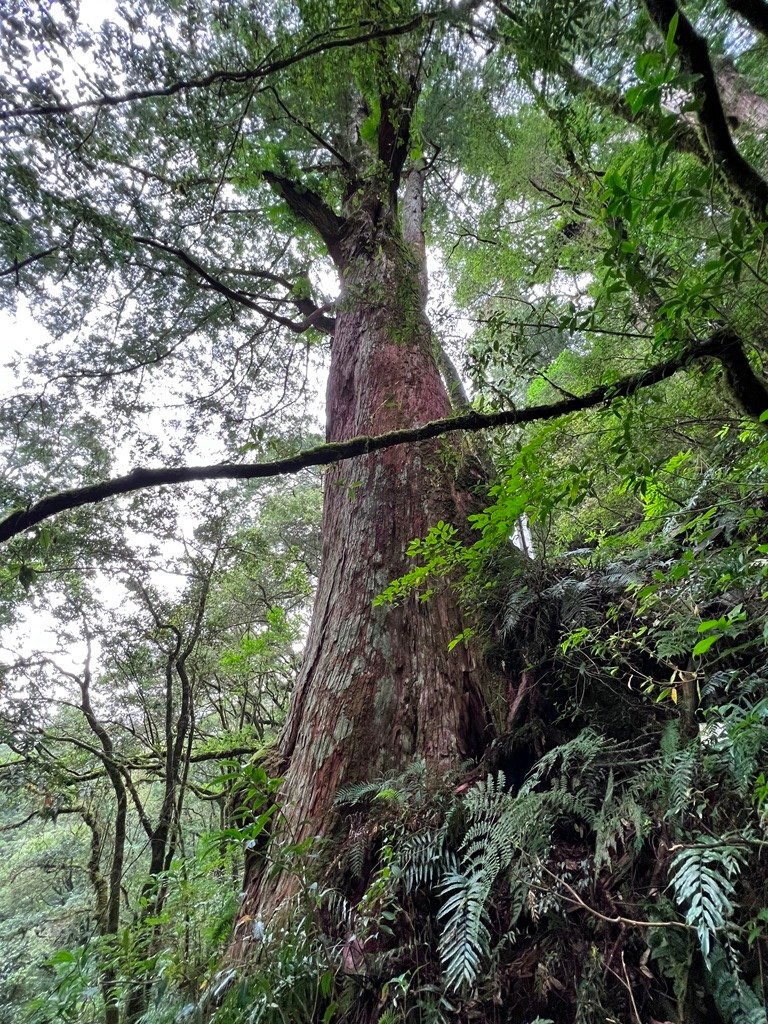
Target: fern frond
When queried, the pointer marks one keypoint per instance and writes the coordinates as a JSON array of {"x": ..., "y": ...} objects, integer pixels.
[
  {"x": 517, "y": 604},
  {"x": 424, "y": 858},
  {"x": 574, "y": 599},
  {"x": 357, "y": 792},
  {"x": 581, "y": 753},
  {"x": 701, "y": 880},
  {"x": 353, "y": 859},
  {"x": 735, "y": 1000},
  {"x": 680, "y": 769},
  {"x": 404, "y": 786},
  {"x": 465, "y": 938}
]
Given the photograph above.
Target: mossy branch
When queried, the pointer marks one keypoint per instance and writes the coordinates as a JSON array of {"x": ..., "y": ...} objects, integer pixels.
[
  {"x": 742, "y": 177},
  {"x": 721, "y": 345}
]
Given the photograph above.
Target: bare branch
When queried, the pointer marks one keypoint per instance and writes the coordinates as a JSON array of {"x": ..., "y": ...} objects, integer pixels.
[{"x": 21, "y": 822}]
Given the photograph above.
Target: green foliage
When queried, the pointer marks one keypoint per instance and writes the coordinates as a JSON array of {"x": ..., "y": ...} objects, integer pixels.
[
  {"x": 75, "y": 991},
  {"x": 465, "y": 938},
  {"x": 439, "y": 553},
  {"x": 701, "y": 877},
  {"x": 734, "y": 999},
  {"x": 604, "y": 860},
  {"x": 61, "y": 807}
]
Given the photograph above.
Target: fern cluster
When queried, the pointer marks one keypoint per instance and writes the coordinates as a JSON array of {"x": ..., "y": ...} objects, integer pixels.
[{"x": 611, "y": 800}]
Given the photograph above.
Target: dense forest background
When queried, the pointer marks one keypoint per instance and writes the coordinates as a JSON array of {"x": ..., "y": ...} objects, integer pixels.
[{"x": 445, "y": 701}]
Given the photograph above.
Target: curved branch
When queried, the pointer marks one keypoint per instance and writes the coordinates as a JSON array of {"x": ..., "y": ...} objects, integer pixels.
[
  {"x": 753, "y": 11},
  {"x": 742, "y": 177},
  {"x": 721, "y": 345},
  {"x": 18, "y": 265},
  {"x": 315, "y": 315},
  {"x": 22, "y": 822},
  {"x": 319, "y": 139},
  {"x": 238, "y": 77}
]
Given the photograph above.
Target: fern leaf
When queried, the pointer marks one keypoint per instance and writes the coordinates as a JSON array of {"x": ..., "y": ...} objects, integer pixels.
[
  {"x": 681, "y": 768},
  {"x": 735, "y": 1000},
  {"x": 465, "y": 938},
  {"x": 701, "y": 880}
]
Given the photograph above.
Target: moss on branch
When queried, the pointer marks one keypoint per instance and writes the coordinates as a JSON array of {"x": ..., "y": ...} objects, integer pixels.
[{"x": 748, "y": 387}]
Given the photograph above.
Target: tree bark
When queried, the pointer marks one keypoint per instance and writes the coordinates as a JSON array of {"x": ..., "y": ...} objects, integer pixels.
[{"x": 378, "y": 687}]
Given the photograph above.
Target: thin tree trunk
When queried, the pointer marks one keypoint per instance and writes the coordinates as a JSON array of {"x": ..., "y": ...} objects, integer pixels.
[
  {"x": 109, "y": 911},
  {"x": 107, "y": 979}
]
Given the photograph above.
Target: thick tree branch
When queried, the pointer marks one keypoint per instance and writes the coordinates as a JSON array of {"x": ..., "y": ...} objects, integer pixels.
[
  {"x": 743, "y": 106},
  {"x": 192, "y": 264},
  {"x": 224, "y": 755},
  {"x": 307, "y": 306},
  {"x": 694, "y": 58},
  {"x": 722, "y": 345},
  {"x": 98, "y": 881},
  {"x": 684, "y": 136},
  {"x": 747, "y": 387},
  {"x": 451, "y": 377},
  {"x": 310, "y": 207},
  {"x": 753, "y": 11}
]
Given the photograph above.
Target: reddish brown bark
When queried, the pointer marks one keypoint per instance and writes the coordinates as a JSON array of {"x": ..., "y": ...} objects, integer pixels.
[{"x": 378, "y": 687}]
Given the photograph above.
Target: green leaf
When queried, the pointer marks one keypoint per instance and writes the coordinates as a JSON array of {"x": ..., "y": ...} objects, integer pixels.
[
  {"x": 64, "y": 956},
  {"x": 703, "y": 645},
  {"x": 669, "y": 43},
  {"x": 463, "y": 637},
  {"x": 369, "y": 129},
  {"x": 647, "y": 64},
  {"x": 704, "y": 627}
]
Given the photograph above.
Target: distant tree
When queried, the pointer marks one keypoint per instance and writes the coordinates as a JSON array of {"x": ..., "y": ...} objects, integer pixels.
[{"x": 126, "y": 752}]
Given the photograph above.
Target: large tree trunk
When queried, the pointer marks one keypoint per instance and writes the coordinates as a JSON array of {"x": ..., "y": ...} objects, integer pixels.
[{"x": 378, "y": 687}]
